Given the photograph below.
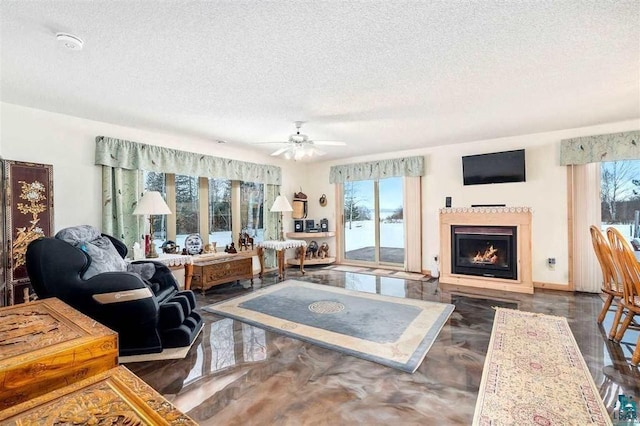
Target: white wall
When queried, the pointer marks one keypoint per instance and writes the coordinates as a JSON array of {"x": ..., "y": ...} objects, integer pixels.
[
  {"x": 545, "y": 191},
  {"x": 68, "y": 143}
]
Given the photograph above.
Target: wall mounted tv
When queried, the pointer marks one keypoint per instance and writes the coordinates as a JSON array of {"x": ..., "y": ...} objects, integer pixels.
[{"x": 497, "y": 167}]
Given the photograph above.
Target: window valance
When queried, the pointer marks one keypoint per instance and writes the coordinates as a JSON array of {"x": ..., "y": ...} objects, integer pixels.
[
  {"x": 137, "y": 156},
  {"x": 408, "y": 166},
  {"x": 593, "y": 149}
]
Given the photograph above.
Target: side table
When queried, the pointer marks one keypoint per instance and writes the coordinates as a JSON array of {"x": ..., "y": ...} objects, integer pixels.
[
  {"x": 280, "y": 247},
  {"x": 212, "y": 271}
]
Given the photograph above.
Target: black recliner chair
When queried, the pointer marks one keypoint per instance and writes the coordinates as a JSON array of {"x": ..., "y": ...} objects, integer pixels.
[{"x": 149, "y": 315}]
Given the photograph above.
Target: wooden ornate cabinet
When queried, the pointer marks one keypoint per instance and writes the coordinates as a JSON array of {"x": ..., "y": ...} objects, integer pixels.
[
  {"x": 208, "y": 273},
  {"x": 47, "y": 344},
  {"x": 116, "y": 396}
]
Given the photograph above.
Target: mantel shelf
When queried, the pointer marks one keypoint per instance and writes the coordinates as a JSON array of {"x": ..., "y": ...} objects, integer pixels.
[{"x": 310, "y": 234}]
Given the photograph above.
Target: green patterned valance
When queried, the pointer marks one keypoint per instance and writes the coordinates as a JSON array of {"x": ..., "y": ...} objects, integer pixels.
[
  {"x": 137, "y": 156},
  {"x": 408, "y": 166},
  {"x": 593, "y": 149}
]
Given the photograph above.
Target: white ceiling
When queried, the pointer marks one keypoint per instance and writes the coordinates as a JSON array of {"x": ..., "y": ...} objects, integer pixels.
[{"x": 380, "y": 75}]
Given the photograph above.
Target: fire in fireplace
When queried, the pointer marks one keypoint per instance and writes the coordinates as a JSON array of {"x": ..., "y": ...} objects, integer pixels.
[{"x": 488, "y": 251}]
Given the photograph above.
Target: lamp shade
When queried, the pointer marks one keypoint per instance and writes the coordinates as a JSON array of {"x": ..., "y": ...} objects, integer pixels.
[
  {"x": 281, "y": 205},
  {"x": 151, "y": 203}
]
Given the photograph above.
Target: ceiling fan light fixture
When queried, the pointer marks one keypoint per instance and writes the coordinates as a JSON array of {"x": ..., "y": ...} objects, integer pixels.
[
  {"x": 299, "y": 154},
  {"x": 299, "y": 146}
]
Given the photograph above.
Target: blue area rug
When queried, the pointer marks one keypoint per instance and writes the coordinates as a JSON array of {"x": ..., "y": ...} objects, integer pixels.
[{"x": 392, "y": 331}]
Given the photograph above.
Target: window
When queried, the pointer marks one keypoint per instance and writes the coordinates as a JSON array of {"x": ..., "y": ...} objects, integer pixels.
[
  {"x": 620, "y": 196},
  {"x": 231, "y": 207},
  {"x": 187, "y": 207},
  {"x": 374, "y": 221},
  {"x": 154, "y": 181},
  {"x": 251, "y": 201},
  {"x": 220, "y": 219}
]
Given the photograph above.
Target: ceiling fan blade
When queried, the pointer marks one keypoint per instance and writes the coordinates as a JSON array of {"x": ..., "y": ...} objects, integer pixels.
[
  {"x": 329, "y": 143},
  {"x": 262, "y": 143},
  {"x": 280, "y": 151},
  {"x": 315, "y": 151}
]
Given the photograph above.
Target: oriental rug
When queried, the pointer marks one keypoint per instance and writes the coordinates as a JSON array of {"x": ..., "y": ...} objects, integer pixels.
[
  {"x": 534, "y": 373},
  {"x": 392, "y": 331}
]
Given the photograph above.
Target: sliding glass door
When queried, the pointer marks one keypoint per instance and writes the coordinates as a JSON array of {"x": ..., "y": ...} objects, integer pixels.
[{"x": 373, "y": 222}]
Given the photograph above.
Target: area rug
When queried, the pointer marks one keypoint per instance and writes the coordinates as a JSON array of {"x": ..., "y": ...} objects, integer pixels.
[
  {"x": 392, "y": 331},
  {"x": 381, "y": 272},
  {"x": 534, "y": 373}
]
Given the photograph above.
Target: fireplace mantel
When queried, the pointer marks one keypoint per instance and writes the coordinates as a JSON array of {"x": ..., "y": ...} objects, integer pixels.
[{"x": 520, "y": 217}]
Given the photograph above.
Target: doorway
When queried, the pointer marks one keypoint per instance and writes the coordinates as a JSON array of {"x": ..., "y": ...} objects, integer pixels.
[{"x": 373, "y": 222}]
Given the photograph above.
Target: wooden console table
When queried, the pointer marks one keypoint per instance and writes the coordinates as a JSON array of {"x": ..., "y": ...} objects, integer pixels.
[
  {"x": 280, "y": 247},
  {"x": 47, "y": 344},
  {"x": 219, "y": 270}
]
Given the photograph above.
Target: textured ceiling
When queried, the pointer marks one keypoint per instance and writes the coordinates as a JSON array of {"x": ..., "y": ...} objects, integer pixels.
[{"x": 381, "y": 76}]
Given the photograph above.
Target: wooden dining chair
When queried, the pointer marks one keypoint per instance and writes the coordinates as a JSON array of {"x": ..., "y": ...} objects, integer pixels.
[
  {"x": 611, "y": 282},
  {"x": 629, "y": 269}
]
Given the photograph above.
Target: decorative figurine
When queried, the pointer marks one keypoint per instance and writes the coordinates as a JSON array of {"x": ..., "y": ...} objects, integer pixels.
[
  {"x": 245, "y": 241},
  {"x": 169, "y": 247},
  {"x": 323, "y": 250},
  {"x": 231, "y": 248},
  {"x": 312, "y": 250}
]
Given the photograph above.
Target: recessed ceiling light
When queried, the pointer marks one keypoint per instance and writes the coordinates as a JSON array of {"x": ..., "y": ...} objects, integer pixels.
[{"x": 70, "y": 41}]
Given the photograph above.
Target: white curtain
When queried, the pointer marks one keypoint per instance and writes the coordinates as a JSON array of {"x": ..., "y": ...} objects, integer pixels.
[
  {"x": 585, "y": 200},
  {"x": 412, "y": 224}
]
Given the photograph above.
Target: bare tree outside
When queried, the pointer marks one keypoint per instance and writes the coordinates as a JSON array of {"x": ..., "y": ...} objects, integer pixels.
[
  {"x": 155, "y": 181},
  {"x": 353, "y": 200},
  {"x": 219, "y": 205},
  {"x": 187, "y": 208},
  {"x": 616, "y": 187}
]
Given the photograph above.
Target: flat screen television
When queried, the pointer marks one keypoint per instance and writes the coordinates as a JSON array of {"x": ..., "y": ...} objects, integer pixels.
[{"x": 497, "y": 167}]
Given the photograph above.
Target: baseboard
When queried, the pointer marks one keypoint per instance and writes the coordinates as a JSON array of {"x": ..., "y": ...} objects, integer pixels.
[{"x": 552, "y": 286}]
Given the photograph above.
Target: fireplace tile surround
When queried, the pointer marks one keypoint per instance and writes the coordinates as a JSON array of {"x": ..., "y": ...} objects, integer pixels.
[{"x": 517, "y": 217}]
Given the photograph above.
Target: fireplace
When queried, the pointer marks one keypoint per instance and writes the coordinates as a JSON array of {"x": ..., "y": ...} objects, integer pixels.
[
  {"x": 486, "y": 247},
  {"x": 486, "y": 251}
]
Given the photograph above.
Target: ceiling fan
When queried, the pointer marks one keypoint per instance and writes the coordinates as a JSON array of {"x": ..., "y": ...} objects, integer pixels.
[{"x": 299, "y": 146}]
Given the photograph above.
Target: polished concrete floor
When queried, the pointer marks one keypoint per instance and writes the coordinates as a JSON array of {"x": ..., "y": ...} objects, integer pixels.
[{"x": 236, "y": 374}]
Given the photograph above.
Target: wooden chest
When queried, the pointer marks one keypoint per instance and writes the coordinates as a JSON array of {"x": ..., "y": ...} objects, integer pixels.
[
  {"x": 209, "y": 273},
  {"x": 45, "y": 345},
  {"x": 113, "y": 397}
]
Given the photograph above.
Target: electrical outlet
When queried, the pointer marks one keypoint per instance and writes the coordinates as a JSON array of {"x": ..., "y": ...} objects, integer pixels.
[{"x": 551, "y": 262}]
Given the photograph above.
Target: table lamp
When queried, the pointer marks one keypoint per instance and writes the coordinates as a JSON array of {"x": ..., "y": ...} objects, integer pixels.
[
  {"x": 279, "y": 206},
  {"x": 151, "y": 204}
]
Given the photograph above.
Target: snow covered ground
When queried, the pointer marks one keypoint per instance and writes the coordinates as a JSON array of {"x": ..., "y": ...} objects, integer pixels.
[
  {"x": 362, "y": 234},
  {"x": 624, "y": 229}
]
